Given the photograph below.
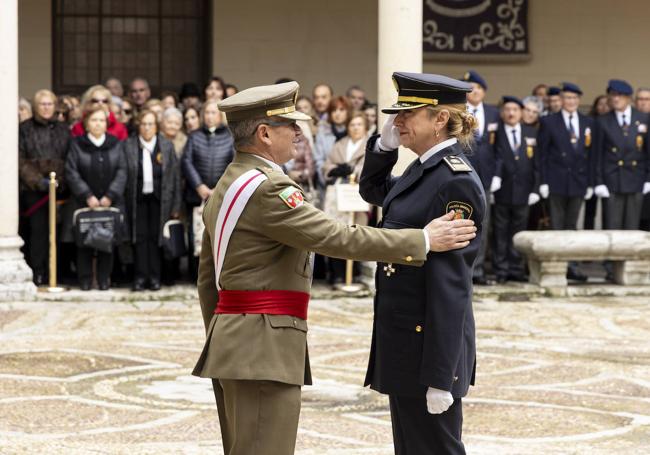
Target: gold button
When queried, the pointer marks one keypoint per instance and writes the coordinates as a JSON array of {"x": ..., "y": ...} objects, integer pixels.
[
  {"x": 620, "y": 162},
  {"x": 634, "y": 163},
  {"x": 408, "y": 258},
  {"x": 418, "y": 328},
  {"x": 455, "y": 378},
  {"x": 614, "y": 149},
  {"x": 295, "y": 324}
]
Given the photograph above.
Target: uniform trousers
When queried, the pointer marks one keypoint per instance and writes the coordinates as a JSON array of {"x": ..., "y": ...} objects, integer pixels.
[
  {"x": 257, "y": 417},
  {"x": 85, "y": 265},
  {"x": 416, "y": 432},
  {"x": 147, "y": 232},
  {"x": 564, "y": 211},
  {"x": 623, "y": 210},
  {"x": 479, "y": 262},
  {"x": 508, "y": 220},
  {"x": 39, "y": 232}
]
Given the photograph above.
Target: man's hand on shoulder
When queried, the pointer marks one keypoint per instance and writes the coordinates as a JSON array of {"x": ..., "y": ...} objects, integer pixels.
[{"x": 448, "y": 233}]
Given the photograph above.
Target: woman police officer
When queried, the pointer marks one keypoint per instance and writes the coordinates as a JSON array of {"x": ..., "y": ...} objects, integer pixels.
[{"x": 423, "y": 349}]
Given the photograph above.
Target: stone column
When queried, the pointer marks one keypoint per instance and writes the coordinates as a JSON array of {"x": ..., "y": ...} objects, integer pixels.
[
  {"x": 15, "y": 276},
  {"x": 400, "y": 49}
]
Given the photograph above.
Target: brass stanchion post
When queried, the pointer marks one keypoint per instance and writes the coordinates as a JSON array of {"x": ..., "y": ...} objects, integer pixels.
[
  {"x": 349, "y": 286},
  {"x": 52, "y": 206}
]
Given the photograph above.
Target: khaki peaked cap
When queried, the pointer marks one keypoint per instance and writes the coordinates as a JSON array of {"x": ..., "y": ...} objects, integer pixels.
[{"x": 263, "y": 101}]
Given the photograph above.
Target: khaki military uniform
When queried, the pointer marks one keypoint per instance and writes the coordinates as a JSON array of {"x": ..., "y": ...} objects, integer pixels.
[{"x": 259, "y": 361}]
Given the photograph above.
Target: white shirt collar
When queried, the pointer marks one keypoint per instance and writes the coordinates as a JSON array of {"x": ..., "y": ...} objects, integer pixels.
[
  {"x": 150, "y": 145},
  {"x": 478, "y": 107},
  {"x": 628, "y": 115},
  {"x": 436, "y": 148},
  {"x": 273, "y": 165},
  {"x": 97, "y": 141},
  {"x": 566, "y": 115},
  {"x": 517, "y": 128}
]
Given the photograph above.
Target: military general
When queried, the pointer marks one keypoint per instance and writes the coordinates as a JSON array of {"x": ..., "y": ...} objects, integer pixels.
[{"x": 255, "y": 272}]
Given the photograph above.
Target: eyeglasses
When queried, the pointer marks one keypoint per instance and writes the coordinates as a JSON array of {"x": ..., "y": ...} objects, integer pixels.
[
  {"x": 97, "y": 101},
  {"x": 290, "y": 123}
]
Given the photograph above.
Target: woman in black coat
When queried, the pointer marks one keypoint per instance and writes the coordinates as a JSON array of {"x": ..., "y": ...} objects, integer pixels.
[
  {"x": 95, "y": 170},
  {"x": 153, "y": 196}
]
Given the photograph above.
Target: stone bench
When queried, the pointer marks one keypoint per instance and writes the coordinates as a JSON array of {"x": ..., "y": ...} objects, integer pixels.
[{"x": 549, "y": 252}]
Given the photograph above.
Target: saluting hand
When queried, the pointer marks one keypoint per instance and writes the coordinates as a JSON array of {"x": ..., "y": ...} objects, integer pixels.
[
  {"x": 389, "y": 139},
  {"x": 446, "y": 233}
]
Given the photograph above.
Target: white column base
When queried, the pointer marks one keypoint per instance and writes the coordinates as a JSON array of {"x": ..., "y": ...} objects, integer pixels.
[{"x": 15, "y": 276}]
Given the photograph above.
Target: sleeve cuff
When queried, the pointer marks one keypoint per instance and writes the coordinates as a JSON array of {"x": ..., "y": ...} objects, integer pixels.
[{"x": 427, "y": 244}]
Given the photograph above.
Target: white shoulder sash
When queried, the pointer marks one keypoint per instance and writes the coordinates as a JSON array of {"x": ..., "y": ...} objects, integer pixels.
[{"x": 233, "y": 205}]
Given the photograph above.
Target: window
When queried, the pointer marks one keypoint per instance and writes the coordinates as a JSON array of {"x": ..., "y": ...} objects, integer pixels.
[{"x": 165, "y": 41}]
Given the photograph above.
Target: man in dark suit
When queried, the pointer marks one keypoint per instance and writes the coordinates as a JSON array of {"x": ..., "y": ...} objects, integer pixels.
[
  {"x": 481, "y": 155},
  {"x": 515, "y": 187},
  {"x": 622, "y": 169},
  {"x": 423, "y": 348},
  {"x": 564, "y": 142}
]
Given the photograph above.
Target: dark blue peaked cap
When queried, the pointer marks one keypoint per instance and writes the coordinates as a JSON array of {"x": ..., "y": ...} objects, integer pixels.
[
  {"x": 416, "y": 90},
  {"x": 619, "y": 86},
  {"x": 553, "y": 91},
  {"x": 473, "y": 76},
  {"x": 569, "y": 87},
  {"x": 511, "y": 99}
]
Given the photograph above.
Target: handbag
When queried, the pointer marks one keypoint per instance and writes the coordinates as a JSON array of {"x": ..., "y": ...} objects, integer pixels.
[
  {"x": 173, "y": 240},
  {"x": 98, "y": 228}
]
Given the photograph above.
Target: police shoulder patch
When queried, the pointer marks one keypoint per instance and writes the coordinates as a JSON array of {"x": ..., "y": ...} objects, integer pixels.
[
  {"x": 462, "y": 210},
  {"x": 457, "y": 164},
  {"x": 292, "y": 197}
]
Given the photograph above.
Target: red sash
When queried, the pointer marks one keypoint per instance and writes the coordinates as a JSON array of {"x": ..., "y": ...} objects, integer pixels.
[{"x": 291, "y": 303}]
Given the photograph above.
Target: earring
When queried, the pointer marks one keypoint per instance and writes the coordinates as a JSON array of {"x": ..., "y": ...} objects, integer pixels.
[{"x": 437, "y": 133}]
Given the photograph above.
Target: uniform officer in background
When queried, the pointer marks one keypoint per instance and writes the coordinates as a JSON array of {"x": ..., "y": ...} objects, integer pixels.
[
  {"x": 515, "y": 188},
  {"x": 564, "y": 141},
  {"x": 423, "y": 350},
  {"x": 255, "y": 272},
  {"x": 481, "y": 156},
  {"x": 622, "y": 168},
  {"x": 554, "y": 100}
]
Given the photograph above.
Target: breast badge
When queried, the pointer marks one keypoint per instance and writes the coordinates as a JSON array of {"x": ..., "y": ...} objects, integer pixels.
[{"x": 462, "y": 210}]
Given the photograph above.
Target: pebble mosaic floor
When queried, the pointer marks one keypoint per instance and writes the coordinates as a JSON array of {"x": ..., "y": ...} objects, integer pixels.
[{"x": 555, "y": 376}]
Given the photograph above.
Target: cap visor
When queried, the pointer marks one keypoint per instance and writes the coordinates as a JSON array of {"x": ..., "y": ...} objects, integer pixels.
[
  {"x": 395, "y": 108},
  {"x": 295, "y": 115}
]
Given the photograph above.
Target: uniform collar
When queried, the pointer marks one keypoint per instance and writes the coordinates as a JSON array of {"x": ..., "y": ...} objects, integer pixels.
[
  {"x": 273, "y": 165},
  {"x": 436, "y": 148}
]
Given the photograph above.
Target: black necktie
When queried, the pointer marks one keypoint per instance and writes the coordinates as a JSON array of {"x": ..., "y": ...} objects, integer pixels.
[
  {"x": 572, "y": 132},
  {"x": 624, "y": 124},
  {"x": 515, "y": 140}
]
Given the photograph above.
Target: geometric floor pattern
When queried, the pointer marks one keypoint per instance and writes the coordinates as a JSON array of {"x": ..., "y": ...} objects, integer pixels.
[{"x": 554, "y": 376}]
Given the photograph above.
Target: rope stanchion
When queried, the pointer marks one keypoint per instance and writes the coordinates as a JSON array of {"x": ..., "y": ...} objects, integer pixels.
[{"x": 52, "y": 215}]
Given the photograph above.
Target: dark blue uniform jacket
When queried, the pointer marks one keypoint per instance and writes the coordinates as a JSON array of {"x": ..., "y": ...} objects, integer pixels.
[
  {"x": 622, "y": 158},
  {"x": 481, "y": 153},
  {"x": 565, "y": 168},
  {"x": 423, "y": 330},
  {"x": 518, "y": 168}
]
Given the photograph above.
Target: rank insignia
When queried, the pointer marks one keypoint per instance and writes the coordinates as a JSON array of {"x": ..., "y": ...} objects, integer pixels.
[
  {"x": 292, "y": 197},
  {"x": 456, "y": 164},
  {"x": 639, "y": 142},
  {"x": 462, "y": 210},
  {"x": 530, "y": 152},
  {"x": 159, "y": 158}
]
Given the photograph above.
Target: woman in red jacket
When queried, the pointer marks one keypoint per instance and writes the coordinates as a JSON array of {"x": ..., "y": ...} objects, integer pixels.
[{"x": 98, "y": 95}]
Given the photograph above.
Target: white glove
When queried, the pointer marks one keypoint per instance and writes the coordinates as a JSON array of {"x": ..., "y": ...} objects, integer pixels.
[
  {"x": 601, "y": 191},
  {"x": 389, "y": 139},
  {"x": 646, "y": 188},
  {"x": 589, "y": 193},
  {"x": 533, "y": 198},
  {"x": 438, "y": 401},
  {"x": 495, "y": 185},
  {"x": 544, "y": 191}
]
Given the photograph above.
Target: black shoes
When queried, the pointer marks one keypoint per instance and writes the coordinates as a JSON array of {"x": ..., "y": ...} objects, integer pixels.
[
  {"x": 85, "y": 286},
  {"x": 518, "y": 278},
  {"x": 502, "y": 280},
  {"x": 482, "y": 281},
  {"x": 154, "y": 285},
  {"x": 40, "y": 279},
  {"x": 138, "y": 285},
  {"x": 104, "y": 286}
]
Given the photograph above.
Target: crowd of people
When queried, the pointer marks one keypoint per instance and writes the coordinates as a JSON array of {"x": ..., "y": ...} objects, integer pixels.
[{"x": 158, "y": 159}]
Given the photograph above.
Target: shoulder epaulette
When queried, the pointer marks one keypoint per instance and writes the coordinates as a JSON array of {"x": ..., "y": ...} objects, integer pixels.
[{"x": 457, "y": 164}]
